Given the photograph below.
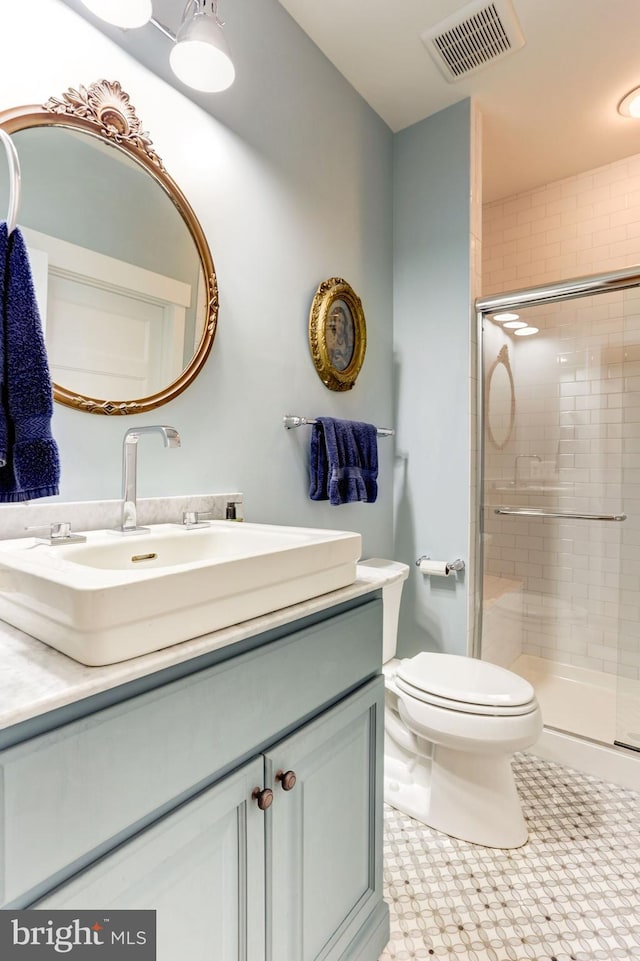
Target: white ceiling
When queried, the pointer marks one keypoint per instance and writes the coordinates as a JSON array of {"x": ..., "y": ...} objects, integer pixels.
[{"x": 549, "y": 109}]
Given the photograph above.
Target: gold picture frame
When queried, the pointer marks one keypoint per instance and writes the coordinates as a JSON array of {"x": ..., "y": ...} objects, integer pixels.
[{"x": 337, "y": 334}]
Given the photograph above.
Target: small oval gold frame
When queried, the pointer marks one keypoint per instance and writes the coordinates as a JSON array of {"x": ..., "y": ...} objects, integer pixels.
[{"x": 322, "y": 333}]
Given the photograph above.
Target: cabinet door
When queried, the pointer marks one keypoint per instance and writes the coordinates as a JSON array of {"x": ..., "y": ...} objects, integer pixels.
[
  {"x": 201, "y": 868},
  {"x": 324, "y": 835}
]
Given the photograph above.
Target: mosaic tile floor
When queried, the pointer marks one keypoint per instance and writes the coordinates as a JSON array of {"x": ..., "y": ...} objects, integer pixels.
[{"x": 572, "y": 893}]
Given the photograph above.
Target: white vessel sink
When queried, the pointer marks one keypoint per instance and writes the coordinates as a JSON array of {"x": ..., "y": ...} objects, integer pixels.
[{"x": 119, "y": 596}]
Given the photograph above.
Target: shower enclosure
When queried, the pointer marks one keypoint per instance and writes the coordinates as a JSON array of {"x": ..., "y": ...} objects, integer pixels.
[{"x": 559, "y": 593}]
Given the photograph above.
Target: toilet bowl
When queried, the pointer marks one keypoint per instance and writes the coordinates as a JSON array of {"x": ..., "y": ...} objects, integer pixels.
[{"x": 452, "y": 724}]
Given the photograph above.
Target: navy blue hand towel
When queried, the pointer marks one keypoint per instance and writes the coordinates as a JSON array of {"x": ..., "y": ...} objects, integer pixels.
[
  {"x": 343, "y": 461},
  {"x": 30, "y": 465}
]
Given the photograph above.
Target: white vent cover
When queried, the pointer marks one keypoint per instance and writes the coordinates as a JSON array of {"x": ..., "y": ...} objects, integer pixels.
[{"x": 477, "y": 35}]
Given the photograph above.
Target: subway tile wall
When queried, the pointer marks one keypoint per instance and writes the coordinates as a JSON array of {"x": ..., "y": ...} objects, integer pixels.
[
  {"x": 585, "y": 224},
  {"x": 575, "y": 445}
]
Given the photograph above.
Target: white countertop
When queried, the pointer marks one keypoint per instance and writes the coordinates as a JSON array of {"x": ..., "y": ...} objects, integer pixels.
[{"x": 35, "y": 678}]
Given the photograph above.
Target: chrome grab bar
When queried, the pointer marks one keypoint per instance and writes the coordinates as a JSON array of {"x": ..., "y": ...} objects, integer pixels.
[{"x": 524, "y": 512}]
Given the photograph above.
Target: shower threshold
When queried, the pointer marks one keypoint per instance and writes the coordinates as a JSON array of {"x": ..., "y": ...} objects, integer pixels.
[{"x": 591, "y": 704}]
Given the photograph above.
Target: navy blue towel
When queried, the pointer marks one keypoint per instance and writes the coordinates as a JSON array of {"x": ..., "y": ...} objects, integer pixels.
[
  {"x": 343, "y": 461},
  {"x": 29, "y": 461}
]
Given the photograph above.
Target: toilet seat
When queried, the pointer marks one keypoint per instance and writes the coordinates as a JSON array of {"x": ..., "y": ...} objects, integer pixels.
[{"x": 464, "y": 684}]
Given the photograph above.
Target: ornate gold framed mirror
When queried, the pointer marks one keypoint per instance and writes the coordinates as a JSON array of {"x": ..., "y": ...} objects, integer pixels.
[
  {"x": 337, "y": 334},
  {"x": 123, "y": 273}
]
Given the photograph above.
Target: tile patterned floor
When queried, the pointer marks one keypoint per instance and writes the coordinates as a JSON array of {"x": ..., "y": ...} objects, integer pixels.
[{"x": 572, "y": 893}]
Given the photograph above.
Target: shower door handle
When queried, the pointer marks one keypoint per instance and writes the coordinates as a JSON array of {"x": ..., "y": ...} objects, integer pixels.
[{"x": 524, "y": 512}]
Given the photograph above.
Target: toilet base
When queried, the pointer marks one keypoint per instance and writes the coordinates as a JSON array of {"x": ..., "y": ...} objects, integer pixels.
[
  {"x": 407, "y": 783},
  {"x": 468, "y": 796}
]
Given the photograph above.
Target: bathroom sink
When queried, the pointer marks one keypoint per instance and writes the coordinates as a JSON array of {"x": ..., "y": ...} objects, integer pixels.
[{"x": 115, "y": 597}]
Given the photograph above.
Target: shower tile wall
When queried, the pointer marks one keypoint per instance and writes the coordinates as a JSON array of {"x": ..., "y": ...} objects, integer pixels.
[
  {"x": 581, "y": 225},
  {"x": 578, "y": 411}
]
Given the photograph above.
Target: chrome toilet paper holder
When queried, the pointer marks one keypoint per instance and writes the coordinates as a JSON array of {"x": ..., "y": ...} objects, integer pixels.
[{"x": 450, "y": 566}]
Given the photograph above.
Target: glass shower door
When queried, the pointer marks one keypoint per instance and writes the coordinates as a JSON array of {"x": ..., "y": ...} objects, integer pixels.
[
  {"x": 555, "y": 468},
  {"x": 628, "y": 668}
]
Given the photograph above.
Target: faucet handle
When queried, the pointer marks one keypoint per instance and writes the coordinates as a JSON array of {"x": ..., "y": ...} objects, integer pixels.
[
  {"x": 191, "y": 519},
  {"x": 59, "y": 533}
]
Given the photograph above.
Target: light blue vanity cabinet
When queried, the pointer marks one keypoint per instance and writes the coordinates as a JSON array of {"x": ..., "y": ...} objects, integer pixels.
[
  {"x": 149, "y": 802},
  {"x": 201, "y": 868},
  {"x": 325, "y": 839}
]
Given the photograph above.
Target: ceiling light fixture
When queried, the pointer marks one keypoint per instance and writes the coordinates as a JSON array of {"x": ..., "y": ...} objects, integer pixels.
[
  {"x": 200, "y": 57},
  {"x": 629, "y": 106},
  {"x": 507, "y": 315},
  {"x": 526, "y": 331},
  {"x": 121, "y": 13},
  {"x": 514, "y": 324}
]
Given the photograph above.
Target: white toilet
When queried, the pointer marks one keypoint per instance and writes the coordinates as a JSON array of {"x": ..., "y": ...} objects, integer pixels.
[{"x": 452, "y": 724}]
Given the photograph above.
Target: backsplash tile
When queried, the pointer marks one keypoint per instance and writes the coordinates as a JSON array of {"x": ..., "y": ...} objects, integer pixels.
[{"x": 104, "y": 515}]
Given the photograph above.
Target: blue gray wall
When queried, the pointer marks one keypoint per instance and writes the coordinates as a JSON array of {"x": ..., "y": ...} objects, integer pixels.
[
  {"x": 292, "y": 182},
  {"x": 295, "y": 179},
  {"x": 431, "y": 360}
]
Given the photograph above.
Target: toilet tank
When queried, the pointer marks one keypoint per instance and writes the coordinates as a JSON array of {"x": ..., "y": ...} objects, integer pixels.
[{"x": 391, "y": 595}]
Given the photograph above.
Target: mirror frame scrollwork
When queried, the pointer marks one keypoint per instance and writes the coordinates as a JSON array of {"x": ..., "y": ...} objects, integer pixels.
[
  {"x": 103, "y": 110},
  {"x": 501, "y": 360}
]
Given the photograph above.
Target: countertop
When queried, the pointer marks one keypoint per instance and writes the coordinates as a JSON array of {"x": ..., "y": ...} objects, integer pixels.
[{"x": 36, "y": 679}]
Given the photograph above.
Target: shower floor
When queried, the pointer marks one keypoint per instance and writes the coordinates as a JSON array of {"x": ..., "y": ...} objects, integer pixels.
[{"x": 601, "y": 707}]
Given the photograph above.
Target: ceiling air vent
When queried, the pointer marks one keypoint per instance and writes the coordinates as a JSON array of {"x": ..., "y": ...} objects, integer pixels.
[{"x": 477, "y": 35}]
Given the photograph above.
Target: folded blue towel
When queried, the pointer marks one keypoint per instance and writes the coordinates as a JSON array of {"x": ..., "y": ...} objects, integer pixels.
[
  {"x": 343, "y": 461},
  {"x": 30, "y": 465}
]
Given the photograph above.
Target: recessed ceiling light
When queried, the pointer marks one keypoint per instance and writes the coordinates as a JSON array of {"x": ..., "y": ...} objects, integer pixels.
[
  {"x": 501, "y": 318},
  {"x": 526, "y": 331},
  {"x": 629, "y": 106},
  {"x": 514, "y": 324}
]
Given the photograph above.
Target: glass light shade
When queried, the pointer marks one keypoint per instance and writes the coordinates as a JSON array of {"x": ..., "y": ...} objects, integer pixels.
[
  {"x": 514, "y": 324},
  {"x": 507, "y": 315},
  {"x": 629, "y": 106},
  {"x": 526, "y": 331},
  {"x": 122, "y": 13},
  {"x": 200, "y": 56}
]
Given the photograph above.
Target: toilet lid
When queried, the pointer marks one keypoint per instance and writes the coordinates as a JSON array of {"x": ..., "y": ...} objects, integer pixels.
[{"x": 464, "y": 681}]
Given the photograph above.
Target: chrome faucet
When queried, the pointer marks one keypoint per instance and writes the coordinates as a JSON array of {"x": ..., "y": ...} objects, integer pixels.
[
  {"x": 171, "y": 438},
  {"x": 523, "y": 457}
]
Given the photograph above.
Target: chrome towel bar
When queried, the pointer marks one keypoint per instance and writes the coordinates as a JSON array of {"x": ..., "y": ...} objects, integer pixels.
[
  {"x": 532, "y": 512},
  {"x": 290, "y": 421}
]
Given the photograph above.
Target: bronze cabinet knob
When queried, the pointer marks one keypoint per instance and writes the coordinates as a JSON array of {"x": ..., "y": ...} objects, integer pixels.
[
  {"x": 263, "y": 797},
  {"x": 287, "y": 779}
]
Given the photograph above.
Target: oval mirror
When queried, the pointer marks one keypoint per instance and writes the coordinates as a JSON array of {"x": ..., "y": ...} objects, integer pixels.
[
  {"x": 501, "y": 400},
  {"x": 123, "y": 273}
]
